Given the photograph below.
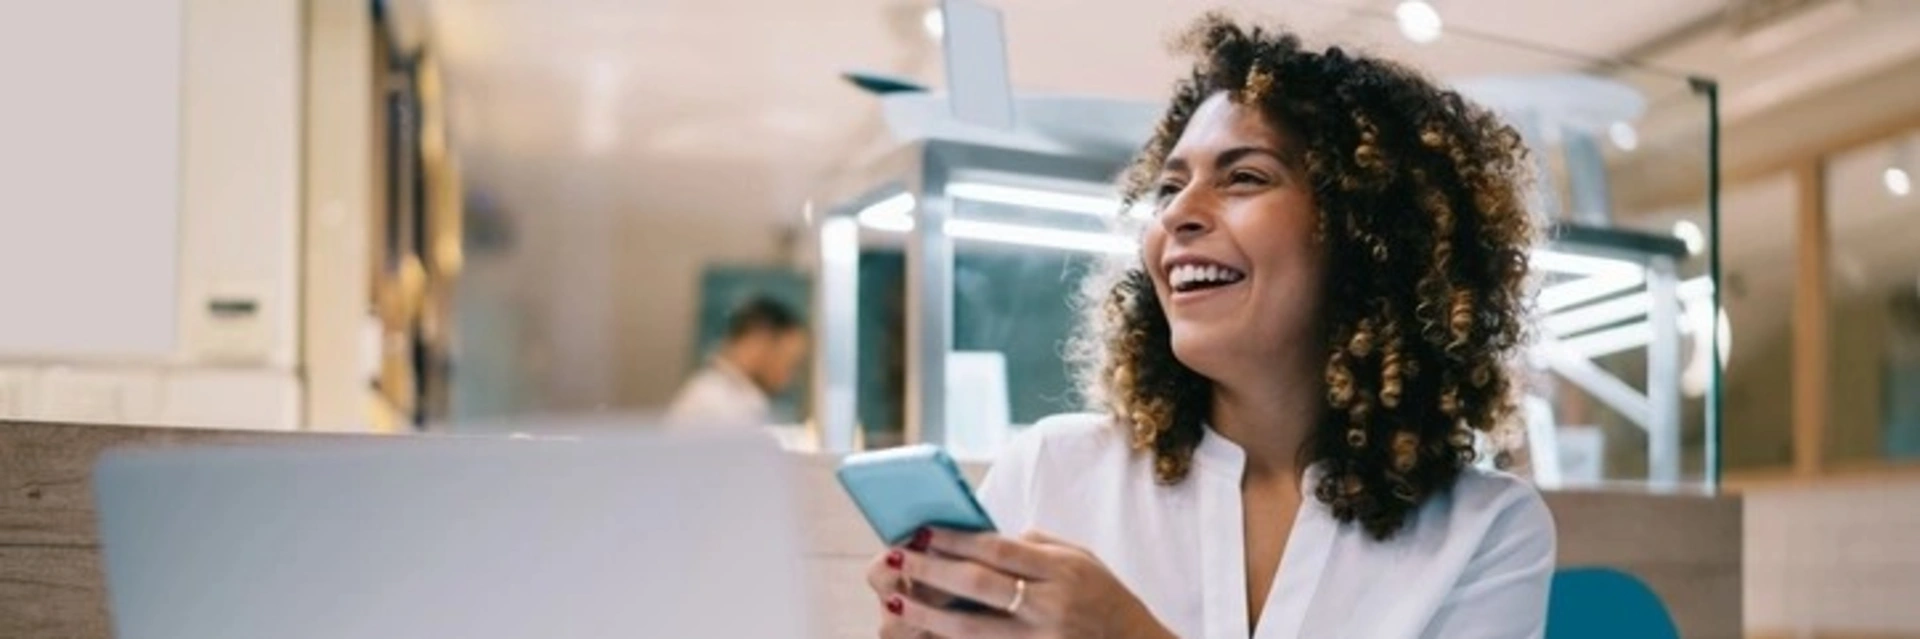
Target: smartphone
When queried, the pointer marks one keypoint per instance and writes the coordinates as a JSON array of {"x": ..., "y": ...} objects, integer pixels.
[{"x": 901, "y": 490}]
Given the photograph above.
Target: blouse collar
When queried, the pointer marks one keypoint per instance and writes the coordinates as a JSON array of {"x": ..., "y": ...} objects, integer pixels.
[{"x": 1219, "y": 455}]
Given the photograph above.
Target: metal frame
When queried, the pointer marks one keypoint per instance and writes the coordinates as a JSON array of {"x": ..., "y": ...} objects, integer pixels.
[
  {"x": 922, "y": 169},
  {"x": 836, "y": 299},
  {"x": 1656, "y": 411}
]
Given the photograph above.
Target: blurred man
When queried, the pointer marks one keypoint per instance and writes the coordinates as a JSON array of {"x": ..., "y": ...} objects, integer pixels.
[{"x": 766, "y": 343}]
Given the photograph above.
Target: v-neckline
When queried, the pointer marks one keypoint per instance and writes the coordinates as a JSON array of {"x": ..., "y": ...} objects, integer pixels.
[{"x": 1221, "y": 464}]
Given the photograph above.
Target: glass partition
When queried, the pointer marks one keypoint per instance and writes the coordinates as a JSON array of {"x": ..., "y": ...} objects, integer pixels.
[
  {"x": 1874, "y": 297},
  {"x": 972, "y": 255}
]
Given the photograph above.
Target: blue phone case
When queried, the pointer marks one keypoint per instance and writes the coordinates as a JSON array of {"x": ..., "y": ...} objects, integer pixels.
[{"x": 901, "y": 490}]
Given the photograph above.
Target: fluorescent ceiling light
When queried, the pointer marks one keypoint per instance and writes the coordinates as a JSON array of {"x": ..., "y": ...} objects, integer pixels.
[
  {"x": 1571, "y": 264},
  {"x": 1034, "y": 198},
  {"x": 1565, "y": 323},
  {"x": 893, "y": 214},
  {"x": 1593, "y": 316},
  {"x": 1592, "y": 287},
  {"x": 1571, "y": 328},
  {"x": 1639, "y": 334},
  {"x": 1041, "y": 237}
]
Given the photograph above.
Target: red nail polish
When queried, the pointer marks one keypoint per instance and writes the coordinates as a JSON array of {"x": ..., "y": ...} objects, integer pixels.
[
  {"x": 895, "y": 605},
  {"x": 895, "y": 559},
  {"x": 921, "y": 539}
]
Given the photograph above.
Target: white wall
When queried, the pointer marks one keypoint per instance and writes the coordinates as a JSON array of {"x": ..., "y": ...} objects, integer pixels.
[
  {"x": 236, "y": 119},
  {"x": 89, "y": 179},
  {"x": 241, "y": 173}
]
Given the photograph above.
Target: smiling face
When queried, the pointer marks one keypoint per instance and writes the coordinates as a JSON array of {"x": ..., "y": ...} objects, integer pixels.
[{"x": 1232, "y": 252}]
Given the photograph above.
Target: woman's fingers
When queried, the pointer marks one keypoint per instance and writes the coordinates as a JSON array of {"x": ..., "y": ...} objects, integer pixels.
[
  {"x": 928, "y": 595},
  {"x": 947, "y": 622},
  {"x": 886, "y": 577},
  {"x": 960, "y": 577},
  {"x": 1056, "y": 546},
  {"x": 887, "y": 581},
  {"x": 893, "y": 627},
  {"x": 883, "y": 573},
  {"x": 1044, "y": 539},
  {"x": 1013, "y": 556}
]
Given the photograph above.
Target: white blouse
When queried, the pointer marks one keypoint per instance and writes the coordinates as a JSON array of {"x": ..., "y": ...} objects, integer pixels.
[
  {"x": 719, "y": 395},
  {"x": 1474, "y": 563}
]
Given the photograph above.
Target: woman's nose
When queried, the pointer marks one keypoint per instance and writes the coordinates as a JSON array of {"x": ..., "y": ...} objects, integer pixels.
[{"x": 1187, "y": 214}]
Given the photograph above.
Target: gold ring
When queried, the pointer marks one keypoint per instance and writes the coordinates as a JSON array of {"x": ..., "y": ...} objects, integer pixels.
[{"x": 1019, "y": 595}]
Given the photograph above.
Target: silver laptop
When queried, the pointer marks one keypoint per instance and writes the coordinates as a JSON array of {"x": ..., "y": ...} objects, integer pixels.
[{"x": 683, "y": 535}]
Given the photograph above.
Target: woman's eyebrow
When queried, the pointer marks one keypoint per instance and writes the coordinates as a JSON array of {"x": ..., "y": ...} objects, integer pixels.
[{"x": 1234, "y": 155}]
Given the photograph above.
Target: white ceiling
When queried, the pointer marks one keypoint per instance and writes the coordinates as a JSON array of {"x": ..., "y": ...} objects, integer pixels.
[
  {"x": 677, "y": 107},
  {"x": 614, "y": 108}
]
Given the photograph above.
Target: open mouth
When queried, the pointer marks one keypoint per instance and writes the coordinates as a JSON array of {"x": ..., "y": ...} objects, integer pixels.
[{"x": 1198, "y": 276}]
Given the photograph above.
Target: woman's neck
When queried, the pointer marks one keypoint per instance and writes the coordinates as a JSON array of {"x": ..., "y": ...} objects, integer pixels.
[{"x": 1270, "y": 418}]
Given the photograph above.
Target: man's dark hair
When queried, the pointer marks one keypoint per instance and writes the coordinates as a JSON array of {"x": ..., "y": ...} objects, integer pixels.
[{"x": 762, "y": 313}]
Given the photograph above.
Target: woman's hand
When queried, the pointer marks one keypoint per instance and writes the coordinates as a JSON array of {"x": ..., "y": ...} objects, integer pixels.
[{"x": 1034, "y": 586}]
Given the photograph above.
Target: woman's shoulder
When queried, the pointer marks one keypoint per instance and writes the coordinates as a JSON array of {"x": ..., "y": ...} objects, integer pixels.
[
  {"x": 1500, "y": 505},
  {"x": 1065, "y": 441},
  {"x": 1073, "y": 437},
  {"x": 1043, "y": 458},
  {"x": 1487, "y": 489},
  {"x": 1073, "y": 427}
]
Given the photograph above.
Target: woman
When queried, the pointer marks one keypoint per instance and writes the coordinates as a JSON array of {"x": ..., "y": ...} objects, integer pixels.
[{"x": 1293, "y": 377}]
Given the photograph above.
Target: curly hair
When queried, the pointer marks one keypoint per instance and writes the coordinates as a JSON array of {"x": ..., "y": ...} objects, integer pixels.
[{"x": 1422, "y": 214}]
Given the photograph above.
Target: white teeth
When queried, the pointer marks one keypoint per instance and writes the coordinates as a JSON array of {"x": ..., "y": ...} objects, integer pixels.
[{"x": 1182, "y": 275}]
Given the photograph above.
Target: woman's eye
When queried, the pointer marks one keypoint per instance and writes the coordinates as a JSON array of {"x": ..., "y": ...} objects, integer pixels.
[
  {"x": 1166, "y": 191},
  {"x": 1246, "y": 177}
]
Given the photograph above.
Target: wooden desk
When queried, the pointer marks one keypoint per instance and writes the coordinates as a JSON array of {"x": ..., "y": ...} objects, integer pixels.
[{"x": 51, "y": 584}]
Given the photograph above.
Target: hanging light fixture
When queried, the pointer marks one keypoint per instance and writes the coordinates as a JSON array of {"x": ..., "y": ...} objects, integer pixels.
[
  {"x": 1624, "y": 135},
  {"x": 934, "y": 22},
  {"x": 1419, "y": 21},
  {"x": 1689, "y": 233}
]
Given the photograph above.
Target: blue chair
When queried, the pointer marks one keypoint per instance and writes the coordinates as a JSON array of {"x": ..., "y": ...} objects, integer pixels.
[{"x": 1597, "y": 603}]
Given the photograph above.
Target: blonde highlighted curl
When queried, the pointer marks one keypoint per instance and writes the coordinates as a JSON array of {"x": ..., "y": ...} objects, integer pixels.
[{"x": 1426, "y": 232}]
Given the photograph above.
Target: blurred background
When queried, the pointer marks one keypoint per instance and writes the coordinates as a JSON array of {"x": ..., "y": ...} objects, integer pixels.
[{"x": 457, "y": 215}]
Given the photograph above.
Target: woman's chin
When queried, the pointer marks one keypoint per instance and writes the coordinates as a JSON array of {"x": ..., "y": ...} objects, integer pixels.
[{"x": 1201, "y": 351}]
